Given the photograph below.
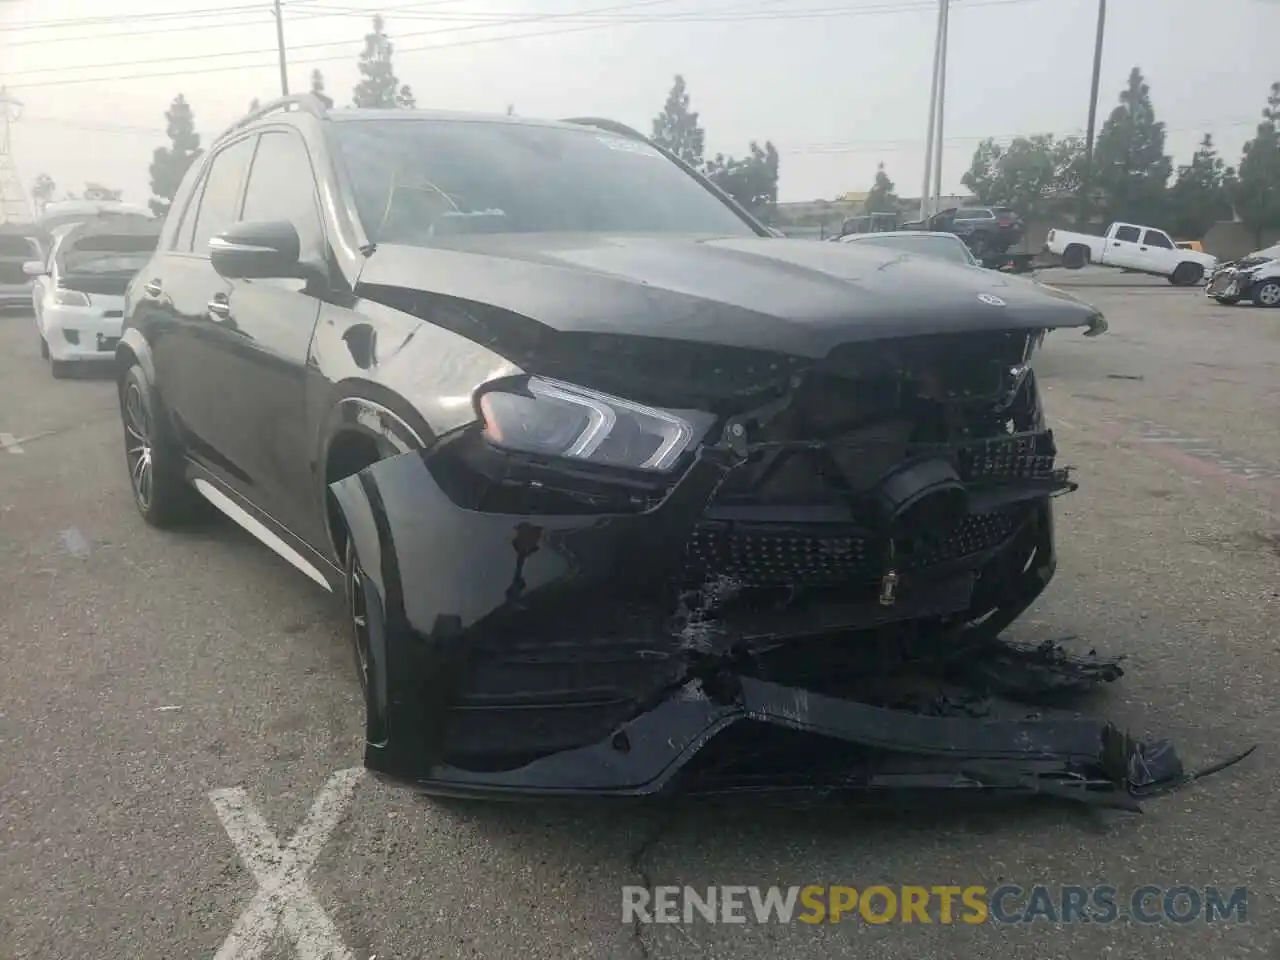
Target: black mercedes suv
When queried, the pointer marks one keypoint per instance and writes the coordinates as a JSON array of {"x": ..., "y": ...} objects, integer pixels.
[{"x": 574, "y": 434}]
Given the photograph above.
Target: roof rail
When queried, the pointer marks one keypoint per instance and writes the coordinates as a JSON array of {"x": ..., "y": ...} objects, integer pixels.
[
  {"x": 612, "y": 126},
  {"x": 308, "y": 102}
]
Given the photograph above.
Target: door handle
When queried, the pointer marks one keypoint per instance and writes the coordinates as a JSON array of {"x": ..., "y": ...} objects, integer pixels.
[
  {"x": 153, "y": 288},
  {"x": 1143, "y": 249},
  {"x": 219, "y": 309},
  {"x": 1116, "y": 244}
]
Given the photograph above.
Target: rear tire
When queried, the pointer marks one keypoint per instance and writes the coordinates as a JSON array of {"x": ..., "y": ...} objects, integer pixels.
[
  {"x": 157, "y": 473},
  {"x": 1267, "y": 293},
  {"x": 1075, "y": 257},
  {"x": 1187, "y": 275}
]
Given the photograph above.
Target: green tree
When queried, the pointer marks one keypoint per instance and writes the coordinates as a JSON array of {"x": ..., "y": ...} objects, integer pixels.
[
  {"x": 881, "y": 198},
  {"x": 676, "y": 128},
  {"x": 42, "y": 191},
  {"x": 317, "y": 89},
  {"x": 1131, "y": 168},
  {"x": 170, "y": 164},
  {"x": 1256, "y": 190},
  {"x": 96, "y": 191},
  {"x": 379, "y": 87},
  {"x": 1028, "y": 174},
  {"x": 1198, "y": 198},
  {"x": 751, "y": 180}
]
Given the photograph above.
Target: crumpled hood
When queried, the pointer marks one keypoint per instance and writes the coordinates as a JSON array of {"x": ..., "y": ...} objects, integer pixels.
[{"x": 802, "y": 297}]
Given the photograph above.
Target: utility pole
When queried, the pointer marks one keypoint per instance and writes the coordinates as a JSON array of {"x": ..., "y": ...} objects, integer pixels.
[
  {"x": 14, "y": 206},
  {"x": 933, "y": 111},
  {"x": 1086, "y": 181},
  {"x": 284, "y": 72},
  {"x": 942, "y": 105}
]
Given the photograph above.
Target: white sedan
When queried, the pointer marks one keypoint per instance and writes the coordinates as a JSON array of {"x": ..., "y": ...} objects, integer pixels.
[
  {"x": 926, "y": 243},
  {"x": 78, "y": 293}
]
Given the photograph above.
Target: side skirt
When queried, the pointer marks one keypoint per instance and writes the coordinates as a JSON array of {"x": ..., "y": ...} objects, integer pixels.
[{"x": 267, "y": 531}]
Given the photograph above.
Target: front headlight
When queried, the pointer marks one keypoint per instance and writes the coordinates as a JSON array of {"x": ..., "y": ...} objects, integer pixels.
[
  {"x": 70, "y": 298},
  {"x": 556, "y": 419}
]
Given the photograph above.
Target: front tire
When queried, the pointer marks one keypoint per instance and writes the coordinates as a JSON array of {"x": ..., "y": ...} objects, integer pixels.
[
  {"x": 1075, "y": 257},
  {"x": 358, "y": 619},
  {"x": 367, "y": 628},
  {"x": 60, "y": 369},
  {"x": 1267, "y": 293},
  {"x": 156, "y": 470},
  {"x": 1187, "y": 275}
]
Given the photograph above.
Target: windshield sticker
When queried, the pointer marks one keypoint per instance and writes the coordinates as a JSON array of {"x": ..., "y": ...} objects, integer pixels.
[{"x": 630, "y": 146}]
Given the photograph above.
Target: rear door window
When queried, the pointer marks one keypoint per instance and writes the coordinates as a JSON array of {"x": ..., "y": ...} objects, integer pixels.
[
  {"x": 1156, "y": 238},
  {"x": 1127, "y": 234}
]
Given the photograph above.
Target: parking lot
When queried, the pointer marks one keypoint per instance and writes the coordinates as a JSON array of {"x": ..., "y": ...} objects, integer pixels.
[{"x": 144, "y": 676}]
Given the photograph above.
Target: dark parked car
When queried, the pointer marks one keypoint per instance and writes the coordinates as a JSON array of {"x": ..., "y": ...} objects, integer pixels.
[
  {"x": 601, "y": 467},
  {"x": 988, "y": 231}
]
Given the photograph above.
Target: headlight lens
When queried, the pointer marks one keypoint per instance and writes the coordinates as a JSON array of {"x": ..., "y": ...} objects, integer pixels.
[
  {"x": 557, "y": 419},
  {"x": 70, "y": 298}
]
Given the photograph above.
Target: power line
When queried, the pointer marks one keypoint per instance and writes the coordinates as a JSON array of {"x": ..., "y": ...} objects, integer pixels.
[
  {"x": 632, "y": 4},
  {"x": 201, "y": 12},
  {"x": 261, "y": 15},
  {"x": 876, "y": 10},
  {"x": 823, "y": 147}
]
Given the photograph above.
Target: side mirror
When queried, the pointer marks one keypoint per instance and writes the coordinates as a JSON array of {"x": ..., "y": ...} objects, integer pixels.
[
  {"x": 34, "y": 268},
  {"x": 257, "y": 249}
]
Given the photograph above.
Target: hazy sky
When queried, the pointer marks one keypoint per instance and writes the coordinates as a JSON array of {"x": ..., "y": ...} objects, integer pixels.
[{"x": 838, "y": 85}]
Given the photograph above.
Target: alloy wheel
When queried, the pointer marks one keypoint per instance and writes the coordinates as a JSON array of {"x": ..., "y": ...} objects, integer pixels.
[
  {"x": 138, "y": 446},
  {"x": 1269, "y": 294},
  {"x": 359, "y": 611}
]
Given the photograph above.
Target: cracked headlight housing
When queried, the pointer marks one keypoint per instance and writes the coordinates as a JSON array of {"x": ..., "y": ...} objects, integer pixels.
[{"x": 552, "y": 418}]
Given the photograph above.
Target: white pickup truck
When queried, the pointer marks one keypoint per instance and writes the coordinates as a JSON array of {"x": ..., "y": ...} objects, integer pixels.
[{"x": 1132, "y": 246}]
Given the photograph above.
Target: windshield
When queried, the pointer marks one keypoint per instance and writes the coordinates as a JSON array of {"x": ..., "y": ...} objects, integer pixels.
[
  {"x": 109, "y": 254},
  {"x": 941, "y": 248},
  {"x": 416, "y": 181}
]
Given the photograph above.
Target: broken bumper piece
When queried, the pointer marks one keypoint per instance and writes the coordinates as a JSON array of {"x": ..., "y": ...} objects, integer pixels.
[
  {"x": 847, "y": 747},
  {"x": 509, "y": 657}
]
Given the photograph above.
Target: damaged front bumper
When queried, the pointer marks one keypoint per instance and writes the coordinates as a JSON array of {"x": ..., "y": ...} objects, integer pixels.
[{"x": 529, "y": 654}]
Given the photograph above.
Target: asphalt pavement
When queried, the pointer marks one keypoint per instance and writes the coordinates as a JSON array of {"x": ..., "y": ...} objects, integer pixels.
[{"x": 180, "y": 725}]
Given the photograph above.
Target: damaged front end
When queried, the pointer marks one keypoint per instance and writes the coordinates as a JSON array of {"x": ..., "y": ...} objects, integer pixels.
[{"x": 792, "y": 602}]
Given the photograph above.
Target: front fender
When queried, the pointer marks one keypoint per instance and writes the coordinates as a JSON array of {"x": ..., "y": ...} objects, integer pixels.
[{"x": 439, "y": 575}]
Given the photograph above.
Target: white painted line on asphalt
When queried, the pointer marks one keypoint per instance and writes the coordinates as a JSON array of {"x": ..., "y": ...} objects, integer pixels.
[
  {"x": 9, "y": 442},
  {"x": 284, "y": 896}
]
